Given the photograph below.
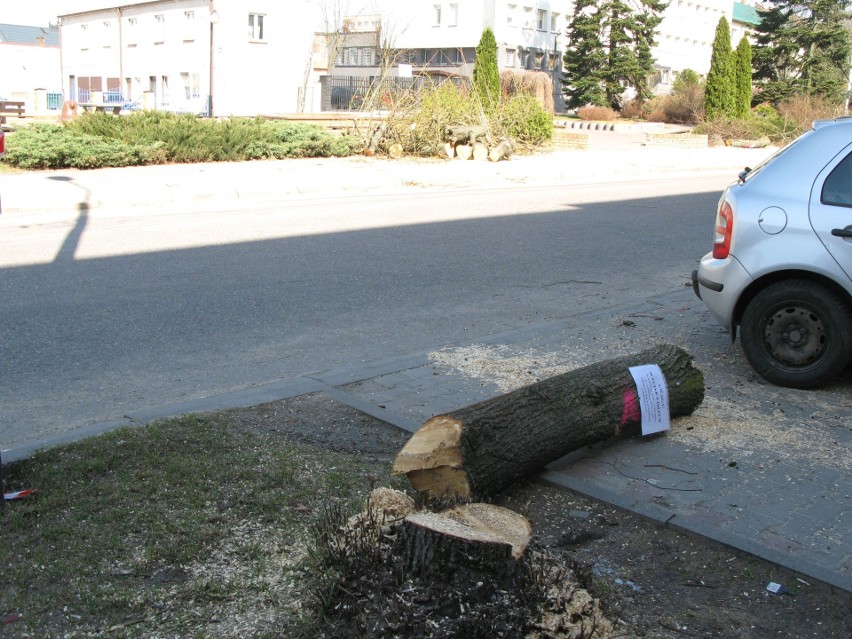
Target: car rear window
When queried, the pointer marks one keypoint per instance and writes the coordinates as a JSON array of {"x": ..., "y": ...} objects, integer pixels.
[
  {"x": 749, "y": 173},
  {"x": 837, "y": 188}
]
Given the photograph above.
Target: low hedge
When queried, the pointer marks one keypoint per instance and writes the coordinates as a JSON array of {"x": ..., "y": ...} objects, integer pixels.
[{"x": 96, "y": 140}]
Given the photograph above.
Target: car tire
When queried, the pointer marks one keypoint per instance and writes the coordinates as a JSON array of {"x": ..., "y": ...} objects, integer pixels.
[{"x": 797, "y": 333}]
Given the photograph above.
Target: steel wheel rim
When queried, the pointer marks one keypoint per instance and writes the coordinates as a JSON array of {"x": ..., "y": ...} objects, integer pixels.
[{"x": 794, "y": 335}]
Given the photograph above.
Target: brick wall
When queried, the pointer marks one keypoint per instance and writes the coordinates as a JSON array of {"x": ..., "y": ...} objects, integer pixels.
[
  {"x": 681, "y": 140},
  {"x": 564, "y": 140}
]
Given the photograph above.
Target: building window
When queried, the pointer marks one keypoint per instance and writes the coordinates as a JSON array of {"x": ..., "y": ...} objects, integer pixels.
[
  {"x": 189, "y": 16},
  {"x": 552, "y": 61},
  {"x": 160, "y": 33},
  {"x": 454, "y": 15},
  {"x": 554, "y": 22},
  {"x": 255, "y": 26},
  {"x": 510, "y": 14},
  {"x": 357, "y": 57},
  {"x": 528, "y": 19},
  {"x": 541, "y": 20},
  {"x": 539, "y": 59},
  {"x": 510, "y": 60},
  {"x": 436, "y": 15}
]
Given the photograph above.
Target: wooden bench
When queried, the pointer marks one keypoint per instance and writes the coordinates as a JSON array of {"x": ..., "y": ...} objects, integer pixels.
[{"x": 14, "y": 109}]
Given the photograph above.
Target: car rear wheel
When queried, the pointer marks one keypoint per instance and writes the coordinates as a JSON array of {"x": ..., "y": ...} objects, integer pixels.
[{"x": 797, "y": 333}]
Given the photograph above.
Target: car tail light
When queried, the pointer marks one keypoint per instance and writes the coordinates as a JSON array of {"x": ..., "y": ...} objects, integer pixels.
[
  {"x": 724, "y": 228},
  {"x": 2, "y": 143}
]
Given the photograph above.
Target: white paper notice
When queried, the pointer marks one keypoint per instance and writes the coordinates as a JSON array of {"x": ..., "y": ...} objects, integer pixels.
[{"x": 653, "y": 398}]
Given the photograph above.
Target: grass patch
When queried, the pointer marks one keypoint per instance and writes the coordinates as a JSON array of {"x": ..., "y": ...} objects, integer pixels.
[{"x": 187, "y": 527}]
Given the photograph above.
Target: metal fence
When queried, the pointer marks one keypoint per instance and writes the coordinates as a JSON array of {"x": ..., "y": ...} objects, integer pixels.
[{"x": 353, "y": 93}]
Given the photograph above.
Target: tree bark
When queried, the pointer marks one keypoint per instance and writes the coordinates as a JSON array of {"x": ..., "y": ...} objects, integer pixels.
[
  {"x": 482, "y": 536},
  {"x": 475, "y": 451}
]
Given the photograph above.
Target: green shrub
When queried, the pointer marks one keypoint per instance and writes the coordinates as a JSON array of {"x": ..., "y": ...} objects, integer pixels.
[
  {"x": 523, "y": 118},
  {"x": 49, "y": 146},
  {"x": 97, "y": 140}
]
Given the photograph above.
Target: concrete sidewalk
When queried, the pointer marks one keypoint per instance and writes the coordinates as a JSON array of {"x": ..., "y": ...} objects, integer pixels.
[{"x": 226, "y": 186}]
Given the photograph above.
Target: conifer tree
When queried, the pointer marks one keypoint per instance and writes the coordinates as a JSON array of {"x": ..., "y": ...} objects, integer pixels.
[
  {"x": 486, "y": 76},
  {"x": 742, "y": 57},
  {"x": 803, "y": 46},
  {"x": 609, "y": 50},
  {"x": 719, "y": 92}
]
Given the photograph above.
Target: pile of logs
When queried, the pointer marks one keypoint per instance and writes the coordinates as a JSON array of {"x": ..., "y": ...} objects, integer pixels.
[
  {"x": 471, "y": 142},
  {"x": 474, "y": 452}
]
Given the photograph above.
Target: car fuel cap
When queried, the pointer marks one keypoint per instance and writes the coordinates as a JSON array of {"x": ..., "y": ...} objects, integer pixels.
[{"x": 772, "y": 220}]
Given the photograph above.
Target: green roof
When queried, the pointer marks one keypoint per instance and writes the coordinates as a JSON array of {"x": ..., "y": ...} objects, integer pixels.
[{"x": 746, "y": 14}]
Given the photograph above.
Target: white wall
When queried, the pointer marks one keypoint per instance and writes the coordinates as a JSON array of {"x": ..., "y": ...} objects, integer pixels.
[
  {"x": 26, "y": 68},
  {"x": 685, "y": 37}
]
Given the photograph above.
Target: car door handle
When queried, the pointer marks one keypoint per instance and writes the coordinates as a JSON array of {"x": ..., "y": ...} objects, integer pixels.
[{"x": 847, "y": 232}]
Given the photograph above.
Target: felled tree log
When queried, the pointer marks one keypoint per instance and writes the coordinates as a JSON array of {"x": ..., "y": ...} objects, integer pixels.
[
  {"x": 482, "y": 536},
  {"x": 480, "y": 151},
  {"x": 475, "y": 451},
  {"x": 464, "y": 134},
  {"x": 504, "y": 149},
  {"x": 450, "y": 150},
  {"x": 463, "y": 151}
]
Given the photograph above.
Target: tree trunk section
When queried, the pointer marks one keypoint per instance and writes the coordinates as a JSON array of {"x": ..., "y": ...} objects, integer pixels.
[
  {"x": 503, "y": 150},
  {"x": 474, "y": 452},
  {"x": 450, "y": 150},
  {"x": 463, "y": 151},
  {"x": 480, "y": 151},
  {"x": 481, "y": 536}
]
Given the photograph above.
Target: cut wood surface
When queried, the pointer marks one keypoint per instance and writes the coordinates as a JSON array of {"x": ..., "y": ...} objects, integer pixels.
[
  {"x": 485, "y": 536},
  {"x": 475, "y": 451},
  {"x": 463, "y": 151},
  {"x": 480, "y": 151}
]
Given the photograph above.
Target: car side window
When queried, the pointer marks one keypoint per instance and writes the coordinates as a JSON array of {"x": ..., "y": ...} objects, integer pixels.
[{"x": 837, "y": 188}]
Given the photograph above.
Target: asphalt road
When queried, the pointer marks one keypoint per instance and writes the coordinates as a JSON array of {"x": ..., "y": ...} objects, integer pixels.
[{"x": 106, "y": 313}]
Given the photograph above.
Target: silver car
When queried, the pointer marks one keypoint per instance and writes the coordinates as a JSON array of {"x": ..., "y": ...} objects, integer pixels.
[{"x": 781, "y": 264}]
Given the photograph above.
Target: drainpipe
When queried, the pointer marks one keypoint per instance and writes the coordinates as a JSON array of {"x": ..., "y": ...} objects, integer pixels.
[
  {"x": 214, "y": 18},
  {"x": 120, "y": 52}
]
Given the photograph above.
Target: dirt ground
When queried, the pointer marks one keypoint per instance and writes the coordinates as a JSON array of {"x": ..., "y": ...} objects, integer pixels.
[{"x": 650, "y": 580}]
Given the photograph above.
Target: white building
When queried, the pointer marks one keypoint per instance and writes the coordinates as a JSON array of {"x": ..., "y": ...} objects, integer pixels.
[
  {"x": 250, "y": 57},
  {"x": 685, "y": 38},
  {"x": 243, "y": 57},
  {"x": 29, "y": 60}
]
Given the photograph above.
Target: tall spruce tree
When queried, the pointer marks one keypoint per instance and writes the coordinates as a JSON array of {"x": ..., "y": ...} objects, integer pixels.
[
  {"x": 742, "y": 63},
  {"x": 609, "y": 50},
  {"x": 803, "y": 46},
  {"x": 486, "y": 76},
  {"x": 720, "y": 89}
]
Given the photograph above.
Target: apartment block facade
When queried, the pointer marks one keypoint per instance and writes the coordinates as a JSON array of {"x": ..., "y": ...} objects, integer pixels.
[{"x": 249, "y": 57}]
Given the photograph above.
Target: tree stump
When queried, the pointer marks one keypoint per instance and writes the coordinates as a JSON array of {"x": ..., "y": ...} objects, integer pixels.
[
  {"x": 481, "y": 536},
  {"x": 475, "y": 451}
]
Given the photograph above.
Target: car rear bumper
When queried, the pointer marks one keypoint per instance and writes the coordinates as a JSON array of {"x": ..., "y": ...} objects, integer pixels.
[{"x": 719, "y": 284}]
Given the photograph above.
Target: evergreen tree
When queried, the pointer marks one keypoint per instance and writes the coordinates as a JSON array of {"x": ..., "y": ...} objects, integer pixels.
[
  {"x": 803, "y": 46},
  {"x": 486, "y": 76},
  {"x": 609, "y": 50},
  {"x": 742, "y": 57},
  {"x": 720, "y": 90}
]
